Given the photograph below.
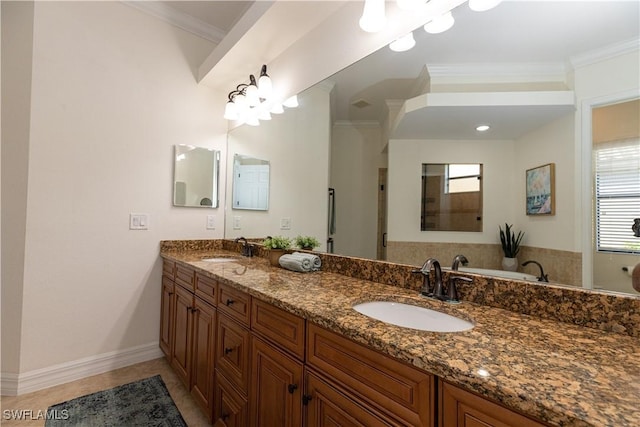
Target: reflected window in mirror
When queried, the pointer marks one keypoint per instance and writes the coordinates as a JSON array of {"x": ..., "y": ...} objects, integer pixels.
[
  {"x": 195, "y": 176},
  {"x": 250, "y": 183},
  {"x": 451, "y": 197}
]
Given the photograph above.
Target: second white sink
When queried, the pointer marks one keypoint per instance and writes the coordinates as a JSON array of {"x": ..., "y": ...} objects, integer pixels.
[{"x": 412, "y": 316}]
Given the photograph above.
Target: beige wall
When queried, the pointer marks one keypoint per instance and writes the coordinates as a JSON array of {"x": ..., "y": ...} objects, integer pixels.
[{"x": 112, "y": 91}]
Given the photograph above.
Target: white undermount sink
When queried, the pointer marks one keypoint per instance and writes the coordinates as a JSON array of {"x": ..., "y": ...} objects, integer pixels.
[
  {"x": 412, "y": 316},
  {"x": 218, "y": 259}
]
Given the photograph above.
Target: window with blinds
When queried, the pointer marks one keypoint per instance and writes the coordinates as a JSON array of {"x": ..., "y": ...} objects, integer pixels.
[{"x": 617, "y": 195}]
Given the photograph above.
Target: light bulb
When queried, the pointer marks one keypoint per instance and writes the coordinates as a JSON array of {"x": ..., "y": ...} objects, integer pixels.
[
  {"x": 403, "y": 43},
  {"x": 440, "y": 24},
  {"x": 291, "y": 102},
  {"x": 482, "y": 5},
  {"x": 231, "y": 111},
  {"x": 263, "y": 111},
  {"x": 373, "y": 17},
  {"x": 251, "y": 93},
  {"x": 265, "y": 88}
]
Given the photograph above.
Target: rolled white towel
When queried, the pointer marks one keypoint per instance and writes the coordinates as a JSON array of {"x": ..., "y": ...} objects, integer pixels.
[
  {"x": 315, "y": 259},
  {"x": 293, "y": 263}
]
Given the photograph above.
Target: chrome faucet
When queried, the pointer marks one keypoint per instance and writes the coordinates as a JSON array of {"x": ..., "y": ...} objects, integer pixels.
[
  {"x": 247, "y": 250},
  {"x": 457, "y": 260},
  {"x": 542, "y": 277},
  {"x": 425, "y": 270}
]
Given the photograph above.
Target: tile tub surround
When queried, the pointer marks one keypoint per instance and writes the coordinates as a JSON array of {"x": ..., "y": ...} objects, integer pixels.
[
  {"x": 559, "y": 373},
  {"x": 595, "y": 309}
]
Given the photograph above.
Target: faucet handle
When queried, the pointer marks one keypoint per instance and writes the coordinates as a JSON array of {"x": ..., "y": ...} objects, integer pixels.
[{"x": 453, "y": 289}]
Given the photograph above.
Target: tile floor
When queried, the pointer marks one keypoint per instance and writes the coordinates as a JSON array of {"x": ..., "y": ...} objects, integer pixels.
[{"x": 42, "y": 399}]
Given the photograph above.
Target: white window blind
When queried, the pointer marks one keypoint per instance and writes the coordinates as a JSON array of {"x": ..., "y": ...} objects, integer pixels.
[{"x": 617, "y": 188}]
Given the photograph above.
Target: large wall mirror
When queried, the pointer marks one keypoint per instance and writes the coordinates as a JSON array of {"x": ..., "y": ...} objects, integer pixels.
[
  {"x": 451, "y": 197},
  {"x": 195, "y": 176},
  {"x": 250, "y": 183},
  {"x": 376, "y": 173}
]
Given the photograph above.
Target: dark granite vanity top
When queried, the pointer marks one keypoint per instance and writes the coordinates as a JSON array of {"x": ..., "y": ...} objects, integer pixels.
[{"x": 557, "y": 372}]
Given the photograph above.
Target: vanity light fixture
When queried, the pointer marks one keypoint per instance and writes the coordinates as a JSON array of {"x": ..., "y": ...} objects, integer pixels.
[
  {"x": 403, "y": 43},
  {"x": 373, "y": 16},
  {"x": 252, "y": 102},
  {"x": 483, "y": 128},
  {"x": 291, "y": 102}
]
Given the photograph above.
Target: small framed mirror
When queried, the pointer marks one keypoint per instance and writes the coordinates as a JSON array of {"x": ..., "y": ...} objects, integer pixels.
[
  {"x": 250, "y": 183},
  {"x": 195, "y": 176},
  {"x": 451, "y": 197}
]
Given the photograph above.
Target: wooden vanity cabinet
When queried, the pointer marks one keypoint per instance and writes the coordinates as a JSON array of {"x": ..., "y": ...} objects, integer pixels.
[
  {"x": 371, "y": 379},
  {"x": 461, "y": 408},
  {"x": 167, "y": 307},
  {"x": 230, "y": 408},
  {"x": 191, "y": 324}
]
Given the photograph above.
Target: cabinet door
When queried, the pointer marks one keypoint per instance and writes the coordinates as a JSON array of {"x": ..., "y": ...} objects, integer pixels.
[
  {"x": 461, "y": 408},
  {"x": 276, "y": 389},
  {"x": 329, "y": 406},
  {"x": 167, "y": 307},
  {"x": 232, "y": 353},
  {"x": 182, "y": 335},
  {"x": 230, "y": 408},
  {"x": 204, "y": 338}
]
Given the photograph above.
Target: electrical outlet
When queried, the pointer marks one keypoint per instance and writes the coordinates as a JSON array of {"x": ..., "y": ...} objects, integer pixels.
[
  {"x": 138, "y": 221},
  {"x": 211, "y": 222},
  {"x": 285, "y": 224},
  {"x": 236, "y": 223}
]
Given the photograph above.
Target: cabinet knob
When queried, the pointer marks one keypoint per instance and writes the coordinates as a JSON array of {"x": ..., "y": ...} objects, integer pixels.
[
  {"x": 224, "y": 417},
  {"x": 229, "y": 301},
  {"x": 292, "y": 388},
  {"x": 228, "y": 350},
  {"x": 306, "y": 399}
]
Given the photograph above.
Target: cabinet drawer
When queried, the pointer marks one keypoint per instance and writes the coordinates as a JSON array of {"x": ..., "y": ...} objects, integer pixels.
[
  {"x": 234, "y": 303},
  {"x": 185, "y": 276},
  {"x": 229, "y": 409},
  {"x": 169, "y": 269},
  {"x": 463, "y": 408},
  {"x": 283, "y": 328},
  {"x": 206, "y": 288},
  {"x": 405, "y": 393},
  {"x": 232, "y": 353}
]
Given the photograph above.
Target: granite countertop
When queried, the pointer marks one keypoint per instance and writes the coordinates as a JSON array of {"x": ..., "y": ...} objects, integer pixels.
[{"x": 556, "y": 372}]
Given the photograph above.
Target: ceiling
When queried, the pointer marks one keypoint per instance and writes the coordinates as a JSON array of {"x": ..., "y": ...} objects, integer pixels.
[{"x": 519, "y": 38}]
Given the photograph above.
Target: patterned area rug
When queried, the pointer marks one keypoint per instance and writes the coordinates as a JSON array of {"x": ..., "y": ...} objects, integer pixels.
[{"x": 141, "y": 403}]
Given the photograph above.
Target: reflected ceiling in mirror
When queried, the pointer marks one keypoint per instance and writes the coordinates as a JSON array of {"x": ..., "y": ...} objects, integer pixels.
[
  {"x": 250, "y": 183},
  {"x": 195, "y": 177}
]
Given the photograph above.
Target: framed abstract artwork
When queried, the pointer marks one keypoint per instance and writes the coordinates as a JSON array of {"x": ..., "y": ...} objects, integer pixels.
[{"x": 541, "y": 190}]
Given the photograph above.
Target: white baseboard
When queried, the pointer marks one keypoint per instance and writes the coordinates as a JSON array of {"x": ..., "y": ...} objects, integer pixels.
[{"x": 13, "y": 385}]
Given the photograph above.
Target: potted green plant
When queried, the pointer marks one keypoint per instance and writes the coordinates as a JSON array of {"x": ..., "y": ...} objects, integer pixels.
[
  {"x": 306, "y": 242},
  {"x": 510, "y": 246},
  {"x": 276, "y": 245}
]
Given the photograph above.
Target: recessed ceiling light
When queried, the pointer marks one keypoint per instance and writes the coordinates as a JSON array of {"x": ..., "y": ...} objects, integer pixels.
[{"x": 483, "y": 128}]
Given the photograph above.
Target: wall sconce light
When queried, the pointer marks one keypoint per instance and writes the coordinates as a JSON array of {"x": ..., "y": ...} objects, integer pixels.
[
  {"x": 373, "y": 17},
  {"x": 252, "y": 102}
]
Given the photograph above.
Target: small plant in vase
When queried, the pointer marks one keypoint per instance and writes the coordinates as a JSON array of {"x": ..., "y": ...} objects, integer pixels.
[
  {"x": 510, "y": 246},
  {"x": 306, "y": 242},
  {"x": 276, "y": 245}
]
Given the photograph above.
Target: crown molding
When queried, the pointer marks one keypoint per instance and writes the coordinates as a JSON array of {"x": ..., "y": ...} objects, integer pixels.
[
  {"x": 607, "y": 52},
  {"x": 179, "y": 19},
  {"x": 550, "y": 71}
]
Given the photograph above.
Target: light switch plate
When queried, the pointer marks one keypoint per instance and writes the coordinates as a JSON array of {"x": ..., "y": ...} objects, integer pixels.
[
  {"x": 285, "y": 224},
  {"x": 211, "y": 222},
  {"x": 138, "y": 221},
  {"x": 236, "y": 223}
]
